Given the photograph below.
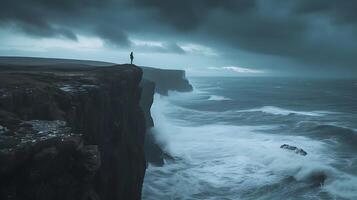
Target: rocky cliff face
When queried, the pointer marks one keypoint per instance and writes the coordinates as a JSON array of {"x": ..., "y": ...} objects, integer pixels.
[
  {"x": 153, "y": 152},
  {"x": 72, "y": 131},
  {"x": 167, "y": 79},
  {"x": 160, "y": 81},
  {"x": 71, "y": 134}
]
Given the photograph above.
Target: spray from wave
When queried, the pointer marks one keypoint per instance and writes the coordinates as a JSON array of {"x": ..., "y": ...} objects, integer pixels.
[{"x": 219, "y": 161}]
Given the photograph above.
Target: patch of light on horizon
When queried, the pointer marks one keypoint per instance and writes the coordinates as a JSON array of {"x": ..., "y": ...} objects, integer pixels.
[{"x": 238, "y": 69}]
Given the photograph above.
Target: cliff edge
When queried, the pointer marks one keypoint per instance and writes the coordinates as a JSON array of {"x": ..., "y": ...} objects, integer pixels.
[
  {"x": 71, "y": 134},
  {"x": 72, "y": 129}
]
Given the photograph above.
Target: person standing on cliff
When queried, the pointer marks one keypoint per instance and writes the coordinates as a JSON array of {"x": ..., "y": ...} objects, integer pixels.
[{"x": 131, "y": 57}]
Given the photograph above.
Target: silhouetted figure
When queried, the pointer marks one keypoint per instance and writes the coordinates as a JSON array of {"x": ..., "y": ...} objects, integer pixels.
[{"x": 131, "y": 57}]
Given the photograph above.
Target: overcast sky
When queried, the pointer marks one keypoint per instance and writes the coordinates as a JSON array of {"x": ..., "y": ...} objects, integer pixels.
[{"x": 204, "y": 37}]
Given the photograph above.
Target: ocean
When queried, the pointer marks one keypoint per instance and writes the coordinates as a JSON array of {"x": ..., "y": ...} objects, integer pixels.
[{"x": 225, "y": 139}]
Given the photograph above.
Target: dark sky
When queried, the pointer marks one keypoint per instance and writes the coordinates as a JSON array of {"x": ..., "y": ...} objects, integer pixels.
[{"x": 205, "y": 37}]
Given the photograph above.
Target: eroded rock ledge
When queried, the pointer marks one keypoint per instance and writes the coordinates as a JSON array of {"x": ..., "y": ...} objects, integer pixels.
[
  {"x": 72, "y": 129},
  {"x": 71, "y": 134}
]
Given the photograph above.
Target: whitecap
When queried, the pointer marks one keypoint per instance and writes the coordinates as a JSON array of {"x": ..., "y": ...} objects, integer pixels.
[
  {"x": 281, "y": 111},
  {"x": 215, "y": 157},
  {"x": 218, "y": 98}
]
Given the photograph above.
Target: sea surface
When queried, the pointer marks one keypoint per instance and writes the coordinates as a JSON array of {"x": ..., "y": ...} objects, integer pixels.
[{"x": 225, "y": 138}]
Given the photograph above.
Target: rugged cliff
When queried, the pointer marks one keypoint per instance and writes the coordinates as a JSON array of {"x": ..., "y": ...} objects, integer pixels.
[
  {"x": 74, "y": 130},
  {"x": 153, "y": 152},
  {"x": 160, "y": 81},
  {"x": 71, "y": 133},
  {"x": 167, "y": 79}
]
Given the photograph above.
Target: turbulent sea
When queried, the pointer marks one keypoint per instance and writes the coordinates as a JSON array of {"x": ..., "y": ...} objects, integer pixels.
[{"x": 225, "y": 138}]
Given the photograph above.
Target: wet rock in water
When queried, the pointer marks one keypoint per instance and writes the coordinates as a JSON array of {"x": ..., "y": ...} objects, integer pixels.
[{"x": 295, "y": 149}]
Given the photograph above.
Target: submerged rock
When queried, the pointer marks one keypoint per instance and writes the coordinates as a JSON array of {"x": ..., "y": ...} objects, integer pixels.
[{"x": 295, "y": 149}]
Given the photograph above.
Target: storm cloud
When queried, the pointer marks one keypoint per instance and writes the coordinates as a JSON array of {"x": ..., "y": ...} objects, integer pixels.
[{"x": 311, "y": 35}]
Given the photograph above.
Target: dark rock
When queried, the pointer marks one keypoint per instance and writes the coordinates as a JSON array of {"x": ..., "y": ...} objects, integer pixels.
[
  {"x": 102, "y": 157},
  {"x": 167, "y": 80},
  {"x": 41, "y": 166},
  {"x": 295, "y": 149},
  {"x": 147, "y": 99},
  {"x": 84, "y": 141},
  {"x": 153, "y": 152},
  {"x": 90, "y": 158},
  {"x": 160, "y": 81}
]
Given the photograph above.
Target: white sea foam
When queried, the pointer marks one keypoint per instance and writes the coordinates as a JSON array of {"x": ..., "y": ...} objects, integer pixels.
[
  {"x": 218, "y": 98},
  {"x": 344, "y": 186},
  {"x": 281, "y": 111},
  {"x": 226, "y": 160}
]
